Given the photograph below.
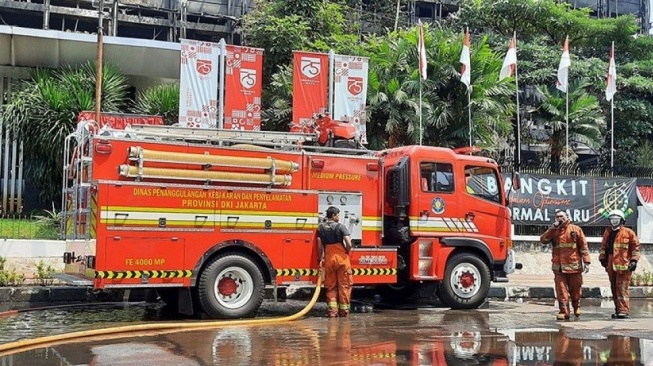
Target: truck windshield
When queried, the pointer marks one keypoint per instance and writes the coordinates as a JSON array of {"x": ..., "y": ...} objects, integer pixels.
[{"x": 483, "y": 182}]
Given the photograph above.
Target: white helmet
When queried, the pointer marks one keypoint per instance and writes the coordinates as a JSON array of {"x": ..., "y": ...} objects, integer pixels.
[{"x": 617, "y": 213}]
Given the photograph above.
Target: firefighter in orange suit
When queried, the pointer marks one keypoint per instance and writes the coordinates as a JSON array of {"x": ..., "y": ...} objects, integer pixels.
[
  {"x": 570, "y": 258},
  {"x": 620, "y": 352},
  {"x": 568, "y": 351},
  {"x": 619, "y": 256},
  {"x": 334, "y": 242}
]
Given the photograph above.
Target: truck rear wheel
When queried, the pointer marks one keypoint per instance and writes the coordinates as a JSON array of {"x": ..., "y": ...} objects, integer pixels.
[
  {"x": 231, "y": 286},
  {"x": 466, "y": 282}
]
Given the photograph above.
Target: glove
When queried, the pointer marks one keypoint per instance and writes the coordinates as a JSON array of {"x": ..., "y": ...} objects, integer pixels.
[
  {"x": 604, "y": 262},
  {"x": 555, "y": 224},
  {"x": 632, "y": 266},
  {"x": 586, "y": 267}
]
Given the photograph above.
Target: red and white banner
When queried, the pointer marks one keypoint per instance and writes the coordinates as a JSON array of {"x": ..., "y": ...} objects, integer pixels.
[
  {"x": 563, "y": 67},
  {"x": 243, "y": 86},
  {"x": 198, "y": 84},
  {"x": 611, "y": 87},
  {"x": 310, "y": 85},
  {"x": 350, "y": 91},
  {"x": 465, "y": 60}
]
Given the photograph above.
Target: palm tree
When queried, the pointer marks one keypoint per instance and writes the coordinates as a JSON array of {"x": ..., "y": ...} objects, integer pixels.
[
  {"x": 585, "y": 118},
  {"x": 43, "y": 110},
  {"x": 393, "y": 94},
  {"x": 160, "y": 100},
  {"x": 276, "y": 114},
  {"x": 392, "y": 108}
]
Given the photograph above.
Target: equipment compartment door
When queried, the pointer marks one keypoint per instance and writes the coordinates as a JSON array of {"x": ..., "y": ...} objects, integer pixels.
[
  {"x": 143, "y": 259},
  {"x": 438, "y": 208}
]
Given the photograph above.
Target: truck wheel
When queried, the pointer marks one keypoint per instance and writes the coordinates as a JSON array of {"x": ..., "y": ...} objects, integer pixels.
[
  {"x": 231, "y": 286},
  {"x": 466, "y": 282}
]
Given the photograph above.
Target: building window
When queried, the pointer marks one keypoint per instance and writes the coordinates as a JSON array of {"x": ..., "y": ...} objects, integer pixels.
[{"x": 425, "y": 10}]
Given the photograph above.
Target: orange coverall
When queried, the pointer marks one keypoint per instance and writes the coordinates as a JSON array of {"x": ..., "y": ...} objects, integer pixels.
[
  {"x": 625, "y": 249},
  {"x": 337, "y": 270},
  {"x": 568, "y": 253},
  {"x": 568, "y": 351}
]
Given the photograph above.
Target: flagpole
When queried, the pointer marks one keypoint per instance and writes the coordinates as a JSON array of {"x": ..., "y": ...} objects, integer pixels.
[
  {"x": 612, "y": 135},
  {"x": 518, "y": 114},
  {"x": 332, "y": 62},
  {"x": 469, "y": 108},
  {"x": 567, "y": 124},
  {"x": 420, "y": 112},
  {"x": 221, "y": 87}
]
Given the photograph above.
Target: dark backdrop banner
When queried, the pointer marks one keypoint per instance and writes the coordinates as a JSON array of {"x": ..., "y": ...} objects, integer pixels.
[{"x": 587, "y": 201}]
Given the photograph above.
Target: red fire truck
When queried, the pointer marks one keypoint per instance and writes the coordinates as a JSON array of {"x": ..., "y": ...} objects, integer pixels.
[{"x": 208, "y": 218}]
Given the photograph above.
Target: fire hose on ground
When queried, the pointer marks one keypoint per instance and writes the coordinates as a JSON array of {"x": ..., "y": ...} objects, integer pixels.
[{"x": 141, "y": 330}]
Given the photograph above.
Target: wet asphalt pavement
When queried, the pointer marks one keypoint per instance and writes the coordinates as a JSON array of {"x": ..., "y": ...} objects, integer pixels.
[{"x": 505, "y": 333}]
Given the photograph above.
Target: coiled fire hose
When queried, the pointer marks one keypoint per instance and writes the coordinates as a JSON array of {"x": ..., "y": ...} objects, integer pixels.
[{"x": 149, "y": 329}]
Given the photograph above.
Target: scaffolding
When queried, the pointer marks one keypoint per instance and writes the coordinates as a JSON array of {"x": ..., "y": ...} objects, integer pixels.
[{"x": 163, "y": 20}]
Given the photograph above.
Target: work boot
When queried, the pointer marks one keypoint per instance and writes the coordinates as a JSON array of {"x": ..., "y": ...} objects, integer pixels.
[
  {"x": 562, "y": 316},
  {"x": 332, "y": 313},
  {"x": 577, "y": 312},
  {"x": 343, "y": 313},
  {"x": 622, "y": 316}
]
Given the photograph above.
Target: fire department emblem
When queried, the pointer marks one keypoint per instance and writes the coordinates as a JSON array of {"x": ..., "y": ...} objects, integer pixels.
[
  {"x": 311, "y": 66},
  {"x": 247, "y": 78},
  {"x": 437, "y": 205},
  {"x": 203, "y": 67},
  {"x": 355, "y": 85}
]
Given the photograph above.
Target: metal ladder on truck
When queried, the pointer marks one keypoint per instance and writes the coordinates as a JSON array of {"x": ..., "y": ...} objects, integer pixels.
[
  {"x": 76, "y": 199},
  {"x": 288, "y": 141},
  {"x": 279, "y": 140}
]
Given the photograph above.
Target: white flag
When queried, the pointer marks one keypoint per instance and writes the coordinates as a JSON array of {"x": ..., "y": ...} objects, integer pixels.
[
  {"x": 611, "y": 88},
  {"x": 510, "y": 62},
  {"x": 421, "y": 51},
  {"x": 563, "y": 68},
  {"x": 465, "y": 59}
]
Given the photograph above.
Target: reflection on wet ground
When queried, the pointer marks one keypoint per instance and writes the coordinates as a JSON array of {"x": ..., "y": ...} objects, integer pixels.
[{"x": 503, "y": 334}]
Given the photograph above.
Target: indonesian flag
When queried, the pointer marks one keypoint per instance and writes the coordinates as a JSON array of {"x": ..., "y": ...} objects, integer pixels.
[
  {"x": 563, "y": 68},
  {"x": 421, "y": 51},
  {"x": 510, "y": 62},
  {"x": 611, "y": 88},
  {"x": 466, "y": 69}
]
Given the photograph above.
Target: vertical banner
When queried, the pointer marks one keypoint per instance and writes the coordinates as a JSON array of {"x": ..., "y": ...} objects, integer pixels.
[
  {"x": 198, "y": 84},
  {"x": 310, "y": 85},
  {"x": 243, "y": 85},
  {"x": 350, "y": 91}
]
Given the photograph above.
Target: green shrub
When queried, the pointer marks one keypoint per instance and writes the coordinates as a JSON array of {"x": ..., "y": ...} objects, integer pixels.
[
  {"x": 44, "y": 274},
  {"x": 9, "y": 278}
]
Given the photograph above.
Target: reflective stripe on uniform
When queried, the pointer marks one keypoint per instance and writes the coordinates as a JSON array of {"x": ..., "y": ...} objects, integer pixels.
[{"x": 567, "y": 245}]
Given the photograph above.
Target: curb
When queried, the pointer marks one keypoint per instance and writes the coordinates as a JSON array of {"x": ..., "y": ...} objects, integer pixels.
[
  {"x": 64, "y": 294},
  {"x": 526, "y": 292}
]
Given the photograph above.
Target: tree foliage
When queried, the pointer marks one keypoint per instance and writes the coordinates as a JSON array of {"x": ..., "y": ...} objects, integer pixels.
[
  {"x": 43, "y": 110},
  {"x": 161, "y": 100}
]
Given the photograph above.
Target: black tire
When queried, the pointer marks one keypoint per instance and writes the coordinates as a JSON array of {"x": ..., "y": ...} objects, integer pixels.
[
  {"x": 230, "y": 287},
  {"x": 466, "y": 282}
]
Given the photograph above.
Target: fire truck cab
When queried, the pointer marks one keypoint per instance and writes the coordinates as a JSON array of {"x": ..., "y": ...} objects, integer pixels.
[{"x": 208, "y": 218}]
